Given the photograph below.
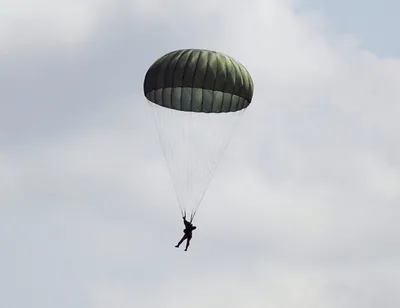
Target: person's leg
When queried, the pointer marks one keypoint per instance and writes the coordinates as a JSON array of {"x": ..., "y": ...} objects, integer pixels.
[
  {"x": 180, "y": 242},
  {"x": 188, "y": 243}
]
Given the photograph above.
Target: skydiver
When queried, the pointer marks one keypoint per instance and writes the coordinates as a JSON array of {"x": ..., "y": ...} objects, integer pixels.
[{"x": 187, "y": 233}]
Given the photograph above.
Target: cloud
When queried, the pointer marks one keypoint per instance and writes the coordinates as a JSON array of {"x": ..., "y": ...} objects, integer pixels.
[
  {"x": 301, "y": 212},
  {"x": 46, "y": 24}
]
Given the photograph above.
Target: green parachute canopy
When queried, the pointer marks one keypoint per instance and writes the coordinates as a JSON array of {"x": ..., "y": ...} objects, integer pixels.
[
  {"x": 197, "y": 97},
  {"x": 199, "y": 81}
]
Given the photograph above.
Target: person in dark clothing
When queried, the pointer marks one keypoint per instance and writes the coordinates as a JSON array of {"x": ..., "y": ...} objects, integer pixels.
[{"x": 187, "y": 233}]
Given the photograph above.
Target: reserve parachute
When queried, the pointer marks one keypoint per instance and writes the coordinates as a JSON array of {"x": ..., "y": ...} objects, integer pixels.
[{"x": 197, "y": 97}]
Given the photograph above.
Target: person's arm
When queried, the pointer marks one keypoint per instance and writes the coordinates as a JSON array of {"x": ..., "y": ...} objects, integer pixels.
[{"x": 185, "y": 221}]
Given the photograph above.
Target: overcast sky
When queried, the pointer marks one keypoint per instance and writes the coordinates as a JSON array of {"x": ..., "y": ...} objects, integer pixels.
[{"x": 303, "y": 210}]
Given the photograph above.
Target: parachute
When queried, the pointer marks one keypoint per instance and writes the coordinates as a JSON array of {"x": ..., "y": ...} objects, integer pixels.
[{"x": 197, "y": 97}]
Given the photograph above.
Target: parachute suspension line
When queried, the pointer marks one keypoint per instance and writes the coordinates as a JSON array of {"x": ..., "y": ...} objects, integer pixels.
[
  {"x": 217, "y": 161},
  {"x": 193, "y": 145},
  {"x": 158, "y": 123}
]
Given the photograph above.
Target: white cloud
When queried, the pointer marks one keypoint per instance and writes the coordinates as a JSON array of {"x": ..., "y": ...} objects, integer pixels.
[
  {"x": 44, "y": 24},
  {"x": 301, "y": 212}
]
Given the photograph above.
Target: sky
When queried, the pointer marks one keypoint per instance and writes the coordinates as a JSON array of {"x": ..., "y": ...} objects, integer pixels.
[
  {"x": 303, "y": 209},
  {"x": 374, "y": 23}
]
